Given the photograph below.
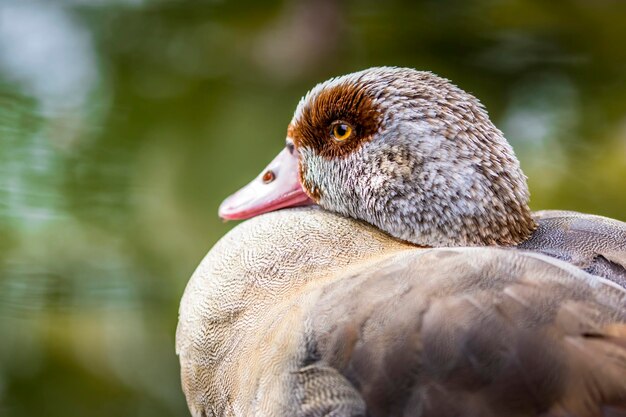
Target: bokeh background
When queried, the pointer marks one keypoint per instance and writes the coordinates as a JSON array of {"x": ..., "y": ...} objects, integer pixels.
[{"x": 124, "y": 123}]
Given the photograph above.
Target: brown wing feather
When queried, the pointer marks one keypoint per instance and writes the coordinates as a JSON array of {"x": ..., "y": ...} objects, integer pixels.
[
  {"x": 594, "y": 243},
  {"x": 484, "y": 333}
]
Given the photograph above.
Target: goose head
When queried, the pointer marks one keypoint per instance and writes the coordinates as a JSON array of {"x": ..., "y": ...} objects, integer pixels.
[{"x": 403, "y": 150}]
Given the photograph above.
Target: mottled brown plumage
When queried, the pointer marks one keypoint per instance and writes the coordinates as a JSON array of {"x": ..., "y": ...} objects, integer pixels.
[{"x": 306, "y": 313}]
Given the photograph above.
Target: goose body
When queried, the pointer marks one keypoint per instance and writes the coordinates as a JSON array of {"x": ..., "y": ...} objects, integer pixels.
[
  {"x": 306, "y": 313},
  {"x": 422, "y": 285}
]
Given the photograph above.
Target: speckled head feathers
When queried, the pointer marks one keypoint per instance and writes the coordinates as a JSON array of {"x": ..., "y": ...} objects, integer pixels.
[{"x": 423, "y": 162}]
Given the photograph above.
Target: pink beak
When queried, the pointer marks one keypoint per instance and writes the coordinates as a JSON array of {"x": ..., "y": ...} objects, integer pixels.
[{"x": 278, "y": 186}]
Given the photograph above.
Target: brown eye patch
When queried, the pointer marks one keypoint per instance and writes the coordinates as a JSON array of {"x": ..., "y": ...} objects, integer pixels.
[{"x": 348, "y": 103}]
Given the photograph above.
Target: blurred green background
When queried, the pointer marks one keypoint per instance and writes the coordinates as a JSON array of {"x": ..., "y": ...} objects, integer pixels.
[{"x": 124, "y": 123}]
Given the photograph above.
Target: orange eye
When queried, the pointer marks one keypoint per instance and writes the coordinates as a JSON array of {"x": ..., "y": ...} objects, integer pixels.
[{"x": 340, "y": 131}]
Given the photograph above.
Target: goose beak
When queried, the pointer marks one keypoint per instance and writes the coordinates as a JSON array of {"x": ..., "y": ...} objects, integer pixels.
[{"x": 278, "y": 186}]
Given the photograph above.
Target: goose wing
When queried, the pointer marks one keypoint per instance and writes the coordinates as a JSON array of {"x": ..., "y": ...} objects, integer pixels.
[
  {"x": 471, "y": 332},
  {"x": 594, "y": 243}
]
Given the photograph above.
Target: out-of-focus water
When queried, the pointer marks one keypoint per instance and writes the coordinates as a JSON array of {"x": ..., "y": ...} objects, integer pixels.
[{"x": 124, "y": 123}]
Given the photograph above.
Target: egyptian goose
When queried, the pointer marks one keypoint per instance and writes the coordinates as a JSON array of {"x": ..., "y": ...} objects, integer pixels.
[{"x": 386, "y": 300}]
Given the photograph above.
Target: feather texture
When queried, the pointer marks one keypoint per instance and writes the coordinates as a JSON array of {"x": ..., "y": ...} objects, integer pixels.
[{"x": 302, "y": 312}]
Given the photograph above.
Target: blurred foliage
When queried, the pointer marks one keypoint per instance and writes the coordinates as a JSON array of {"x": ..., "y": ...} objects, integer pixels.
[{"x": 124, "y": 123}]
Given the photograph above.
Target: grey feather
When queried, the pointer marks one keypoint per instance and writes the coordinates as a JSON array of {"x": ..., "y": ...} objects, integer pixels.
[{"x": 369, "y": 321}]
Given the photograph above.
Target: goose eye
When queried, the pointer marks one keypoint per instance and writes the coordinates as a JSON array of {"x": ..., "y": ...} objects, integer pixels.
[{"x": 340, "y": 131}]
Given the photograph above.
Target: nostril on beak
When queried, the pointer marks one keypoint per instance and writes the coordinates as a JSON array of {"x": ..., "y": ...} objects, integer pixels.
[{"x": 268, "y": 176}]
